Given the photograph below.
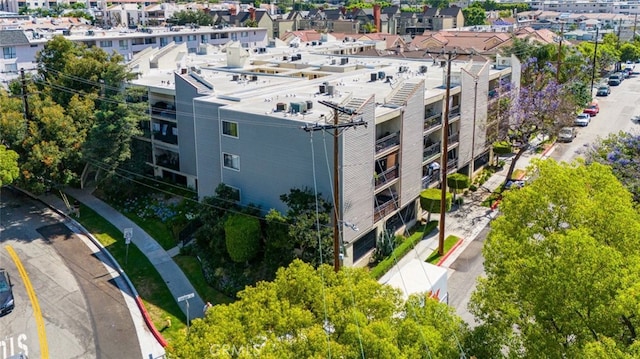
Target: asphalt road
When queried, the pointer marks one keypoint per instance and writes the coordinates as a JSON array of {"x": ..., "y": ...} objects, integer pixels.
[
  {"x": 69, "y": 307},
  {"x": 616, "y": 111}
]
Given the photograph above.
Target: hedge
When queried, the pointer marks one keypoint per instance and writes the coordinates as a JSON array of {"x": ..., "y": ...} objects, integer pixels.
[
  {"x": 242, "y": 237},
  {"x": 458, "y": 181},
  {"x": 430, "y": 200},
  {"x": 502, "y": 148},
  {"x": 400, "y": 251}
]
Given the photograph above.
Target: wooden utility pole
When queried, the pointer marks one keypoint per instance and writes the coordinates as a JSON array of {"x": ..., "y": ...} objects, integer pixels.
[
  {"x": 25, "y": 102},
  {"x": 595, "y": 56},
  {"x": 336, "y": 126},
  {"x": 445, "y": 158},
  {"x": 560, "y": 52}
]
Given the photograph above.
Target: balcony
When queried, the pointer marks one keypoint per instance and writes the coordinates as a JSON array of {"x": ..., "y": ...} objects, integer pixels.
[
  {"x": 387, "y": 205},
  {"x": 453, "y": 139},
  {"x": 454, "y": 112},
  {"x": 386, "y": 177},
  {"x": 166, "y": 136},
  {"x": 428, "y": 180},
  {"x": 168, "y": 161},
  {"x": 431, "y": 151},
  {"x": 432, "y": 122},
  {"x": 452, "y": 164},
  {"x": 163, "y": 113},
  {"x": 387, "y": 142}
]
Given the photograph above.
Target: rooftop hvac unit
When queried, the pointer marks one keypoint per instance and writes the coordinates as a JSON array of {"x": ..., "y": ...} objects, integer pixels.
[
  {"x": 323, "y": 88},
  {"x": 254, "y": 77},
  {"x": 402, "y": 69},
  {"x": 235, "y": 77},
  {"x": 309, "y": 105},
  {"x": 314, "y": 43},
  {"x": 381, "y": 75},
  {"x": 389, "y": 78},
  {"x": 333, "y": 61},
  {"x": 423, "y": 69},
  {"x": 299, "y": 56},
  {"x": 344, "y": 61},
  {"x": 330, "y": 90},
  {"x": 298, "y": 107},
  {"x": 281, "y": 107},
  {"x": 285, "y": 58},
  {"x": 374, "y": 77}
]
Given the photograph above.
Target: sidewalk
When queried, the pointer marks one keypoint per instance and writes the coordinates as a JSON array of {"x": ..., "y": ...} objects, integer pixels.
[
  {"x": 161, "y": 259},
  {"x": 465, "y": 223}
]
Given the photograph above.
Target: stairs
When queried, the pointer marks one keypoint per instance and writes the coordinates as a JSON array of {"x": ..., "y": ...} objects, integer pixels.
[{"x": 399, "y": 98}]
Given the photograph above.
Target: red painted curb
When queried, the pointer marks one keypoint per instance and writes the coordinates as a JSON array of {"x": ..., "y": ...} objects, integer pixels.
[
  {"x": 544, "y": 153},
  {"x": 147, "y": 320},
  {"x": 444, "y": 258}
]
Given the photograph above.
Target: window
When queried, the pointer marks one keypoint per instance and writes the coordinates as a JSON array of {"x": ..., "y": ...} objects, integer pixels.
[
  {"x": 177, "y": 39},
  {"x": 191, "y": 37},
  {"x": 231, "y": 161},
  {"x": 230, "y": 128},
  {"x": 234, "y": 36},
  {"x": 106, "y": 43},
  {"x": 244, "y": 34},
  {"x": 163, "y": 41},
  {"x": 203, "y": 39},
  {"x": 11, "y": 67},
  {"x": 124, "y": 44},
  {"x": 9, "y": 52}
]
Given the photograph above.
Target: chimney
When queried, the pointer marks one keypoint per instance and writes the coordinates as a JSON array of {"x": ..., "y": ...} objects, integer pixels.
[
  {"x": 252, "y": 13},
  {"x": 376, "y": 16},
  {"x": 232, "y": 10},
  {"x": 343, "y": 10},
  {"x": 424, "y": 9}
]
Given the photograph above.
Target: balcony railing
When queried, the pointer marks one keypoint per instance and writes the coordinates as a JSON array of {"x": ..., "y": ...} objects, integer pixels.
[
  {"x": 452, "y": 163},
  {"x": 453, "y": 139},
  {"x": 430, "y": 179},
  {"x": 163, "y": 112},
  {"x": 387, "y": 142},
  {"x": 384, "y": 209},
  {"x": 168, "y": 162},
  {"x": 431, "y": 151},
  {"x": 432, "y": 121},
  {"x": 166, "y": 138},
  {"x": 386, "y": 176},
  {"x": 454, "y": 111}
]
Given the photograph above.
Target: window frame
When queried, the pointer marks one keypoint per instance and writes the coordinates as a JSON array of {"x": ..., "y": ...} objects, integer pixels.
[
  {"x": 224, "y": 162},
  {"x": 9, "y": 52},
  {"x": 237, "y": 129}
]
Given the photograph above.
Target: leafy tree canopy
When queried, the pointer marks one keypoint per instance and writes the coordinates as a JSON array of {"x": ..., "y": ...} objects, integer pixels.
[
  {"x": 187, "y": 17},
  {"x": 561, "y": 266},
  {"x": 474, "y": 16},
  {"x": 9, "y": 170},
  {"x": 309, "y": 313}
]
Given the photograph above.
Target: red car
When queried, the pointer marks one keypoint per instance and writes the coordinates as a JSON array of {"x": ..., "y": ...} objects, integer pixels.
[{"x": 592, "y": 109}]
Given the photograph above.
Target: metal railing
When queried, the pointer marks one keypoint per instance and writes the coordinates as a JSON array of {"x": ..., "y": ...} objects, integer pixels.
[
  {"x": 430, "y": 179},
  {"x": 387, "y": 142},
  {"x": 431, "y": 151},
  {"x": 386, "y": 176},
  {"x": 453, "y": 139},
  {"x": 384, "y": 209},
  {"x": 452, "y": 164},
  {"x": 454, "y": 111},
  {"x": 432, "y": 121}
]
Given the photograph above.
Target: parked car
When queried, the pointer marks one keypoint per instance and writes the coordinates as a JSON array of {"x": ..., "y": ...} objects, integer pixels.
[
  {"x": 593, "y": 109},
  {"x": 583, "y": 120},
  {"x": 603, "y": 90},
  {"x": 614, "y": 80},
  {"x": 6, "y": 293},
  {"x": 567, "y": 134}
]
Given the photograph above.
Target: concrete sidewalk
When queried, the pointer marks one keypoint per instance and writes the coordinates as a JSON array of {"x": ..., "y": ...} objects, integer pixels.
[{"x": 465, "y": 222}]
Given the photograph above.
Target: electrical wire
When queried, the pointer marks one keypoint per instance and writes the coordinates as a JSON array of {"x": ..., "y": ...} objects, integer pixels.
[{"x": 315, "y": 190}]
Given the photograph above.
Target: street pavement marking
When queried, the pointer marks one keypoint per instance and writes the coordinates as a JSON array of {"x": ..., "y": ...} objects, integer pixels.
[{"x": 37, "y": 313}]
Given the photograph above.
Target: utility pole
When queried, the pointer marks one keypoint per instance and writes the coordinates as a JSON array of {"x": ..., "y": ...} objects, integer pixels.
[
  {"x": 25, "y": 103},
  {"x": 445, "y": 158},
  {"x": 635, "y": 23},
  {"x": 473, "y": 137},
  {"x": 336, "y": 127},
  {"x": 560, "y": 51},
  {"x": 595, "y": 56}
]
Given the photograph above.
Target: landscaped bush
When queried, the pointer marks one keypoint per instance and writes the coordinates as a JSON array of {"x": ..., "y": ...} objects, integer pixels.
[
  {"x": 458, "y": 181},
  {"x": 430, "y": 201},
  {"x": 242, "y": 234},
  {"x": 401, "y": 250},
  {"x": 502, "y": 148}
]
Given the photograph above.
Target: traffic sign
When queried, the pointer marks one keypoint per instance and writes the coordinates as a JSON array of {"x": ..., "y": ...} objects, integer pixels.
[
  {"x": 185, "y": 297},
  {"x": 128, "y": 233}
]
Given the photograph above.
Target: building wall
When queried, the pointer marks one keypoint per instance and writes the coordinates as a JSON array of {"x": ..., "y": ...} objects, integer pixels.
[
  {"x": 411, "y": 147},
  {"x": 357, "y": 173},
  {"x": 207, "y": 144},
  {"x": 477, "y": 101},
  {"x": 186, "y": 127}
]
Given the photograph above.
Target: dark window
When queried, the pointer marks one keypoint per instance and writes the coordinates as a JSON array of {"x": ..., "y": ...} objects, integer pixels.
[{"x": 364, "y": 245}]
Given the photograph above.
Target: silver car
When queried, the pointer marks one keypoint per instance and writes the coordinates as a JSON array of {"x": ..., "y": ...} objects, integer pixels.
[
  {"x": 583, "y": 120},
  {"x": 567, "y": 134}
]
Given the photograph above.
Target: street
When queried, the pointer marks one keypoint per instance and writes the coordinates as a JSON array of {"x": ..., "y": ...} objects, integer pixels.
[{"x": 616, "y": 111}]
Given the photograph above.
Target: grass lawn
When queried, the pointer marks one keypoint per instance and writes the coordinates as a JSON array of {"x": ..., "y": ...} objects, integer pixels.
[
  {"x": 157, "y": 298},
  {"x": 518, "y": 173},
  {"x": 193, "y": 270},
  {"x": 155, "y": 229},
  {"x": 449, "y": 242}
]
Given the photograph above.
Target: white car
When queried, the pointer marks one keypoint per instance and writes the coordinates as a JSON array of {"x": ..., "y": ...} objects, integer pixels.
[
  {"x": 583, "y": 120},
  {"x": 567, "y": 134}
]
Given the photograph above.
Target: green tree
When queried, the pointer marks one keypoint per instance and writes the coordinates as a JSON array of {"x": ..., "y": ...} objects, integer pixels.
[
  {"x": 430, "y": 200},
  {"x": 9, "y": 170},
  {"x": 196, "y": 17},
  {"x": 440, "y": 4},
  {"x": 309, "y": 313},
  {"x": 309, "y": 228},
  {"x": 457, "y": 182},
  {"x": 561, "y": 266},
  {"x": 474, "y": 15},
  {"x": 242, "y": 234},
  {"x": 278, "y": 244},
  {"x": 629, "y": 52}
]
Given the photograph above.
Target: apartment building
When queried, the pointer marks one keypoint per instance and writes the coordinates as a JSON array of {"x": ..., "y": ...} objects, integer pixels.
[{"x": 241, "y": 123}]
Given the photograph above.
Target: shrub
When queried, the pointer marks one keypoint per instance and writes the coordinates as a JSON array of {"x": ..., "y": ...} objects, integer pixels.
[
  {"x": 502, "y": 148},
  {"x": 458, "y": 181},
  {"x": 430, "y": 200},
  {"x": 242, "y": 235},
  {"x": 401, "y": 250}
]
